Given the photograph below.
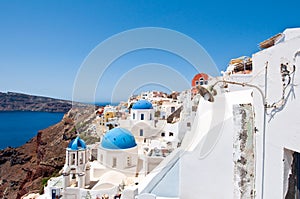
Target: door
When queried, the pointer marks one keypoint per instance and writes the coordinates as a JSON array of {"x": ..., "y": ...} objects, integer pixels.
[
  {"x": 53, "y": 193},
  {"x": 294, "y": 179},
  {"x": 297, "y": 159}
]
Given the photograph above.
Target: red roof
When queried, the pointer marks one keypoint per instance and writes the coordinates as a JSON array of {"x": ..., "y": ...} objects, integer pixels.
[{"x": 197, "y": 78}]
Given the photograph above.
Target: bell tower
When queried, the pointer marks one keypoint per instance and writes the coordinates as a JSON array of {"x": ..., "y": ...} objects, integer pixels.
[{"x": 77, "y": 168}]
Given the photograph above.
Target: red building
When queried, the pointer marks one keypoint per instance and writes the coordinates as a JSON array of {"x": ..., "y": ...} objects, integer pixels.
[{"x": 200, "y": 79}]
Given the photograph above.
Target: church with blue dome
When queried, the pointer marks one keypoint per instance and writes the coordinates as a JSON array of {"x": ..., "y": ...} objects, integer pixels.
[
  {"x": 118, "y": 138},
  {"x": 77, "y": 144},
  {"x": 142, "y": 104},
  {"x": 125, "y": 154},
  {"x": 77, "y": 166},
  {"x": 142, "y": 110},
  {"x": 142, "y": 120},
  {"x": 118, "y": 149}
]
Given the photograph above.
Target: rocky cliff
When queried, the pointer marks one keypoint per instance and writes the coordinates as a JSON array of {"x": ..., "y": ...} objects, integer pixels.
[
  {"x": 22, "y": 102},
  {"x": 24, "y": 169}
]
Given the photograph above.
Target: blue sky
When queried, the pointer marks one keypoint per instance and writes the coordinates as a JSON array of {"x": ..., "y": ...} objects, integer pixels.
[{"x": 44, "y": 43}]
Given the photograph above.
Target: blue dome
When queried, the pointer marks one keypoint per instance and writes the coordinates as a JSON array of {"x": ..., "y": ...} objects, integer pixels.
[
  {"x": 77, "y": 144},
  {"x": 118, "y": 138},
  {"x": 142, "y": 104}
]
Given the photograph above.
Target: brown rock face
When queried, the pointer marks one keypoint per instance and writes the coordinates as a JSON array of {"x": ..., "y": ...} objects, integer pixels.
[
  {"x": 22, "y": 102},
  {"x": 22, "y": 169}
]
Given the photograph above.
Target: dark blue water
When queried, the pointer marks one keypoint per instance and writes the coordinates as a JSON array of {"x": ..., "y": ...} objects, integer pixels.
[{"x": 16, "y": 128}]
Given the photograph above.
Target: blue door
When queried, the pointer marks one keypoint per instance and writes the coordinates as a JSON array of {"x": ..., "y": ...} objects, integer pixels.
[{"x": 53, "y": 193}]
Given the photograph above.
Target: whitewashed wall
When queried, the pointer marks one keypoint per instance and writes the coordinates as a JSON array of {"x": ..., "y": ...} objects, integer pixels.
[
  {"x": 283, "y": 128},
  {"x": 206, "y": 169}
]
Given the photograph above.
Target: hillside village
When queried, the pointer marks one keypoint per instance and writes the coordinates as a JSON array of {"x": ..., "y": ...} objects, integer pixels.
[{"x": 240, "y": 128}]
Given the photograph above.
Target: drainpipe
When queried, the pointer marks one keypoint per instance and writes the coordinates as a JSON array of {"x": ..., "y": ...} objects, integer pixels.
[{"x": 264, "y": 134}]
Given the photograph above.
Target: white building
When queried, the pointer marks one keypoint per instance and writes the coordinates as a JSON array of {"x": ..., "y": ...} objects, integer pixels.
[
  {"x": 142, "y": 120},
  {"x": 142, "y": 111},
  {"x": 167, "y": 108},
  {"x": 245, "y": 144},
  {"x": 118, "y": 149},
  {"x": 76, "y": 171},
  {"x": 154, "y": 96},
  {"x": 83, "y": 179},
  {"x": 278, "y": 145}
]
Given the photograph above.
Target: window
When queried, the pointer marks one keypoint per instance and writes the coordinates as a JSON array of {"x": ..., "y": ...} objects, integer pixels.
[
  {"x": 188, "y": 124},
  {"x": 114, "y": 163},
  {"x": 101, "y": 158},
  {"x": 201, "y": 80},
  {"x": 150, "y": 116},
  {"x": 142, "y": 116},
  {"x": 163, "y": 134},
  {"x": 172, "y": 109},
  {"x": 171, "y": 134},
  {"x": 141, "y": 132},
  {"x": 133, "y": 116},
  {"x": 81, "y": 158},
  {"x": 73, "y": 159},
  {"x": 197, "y": 83}
]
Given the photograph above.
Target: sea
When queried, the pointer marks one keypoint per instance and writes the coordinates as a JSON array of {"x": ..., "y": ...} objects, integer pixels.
[{"x": 18, "y": 127}]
